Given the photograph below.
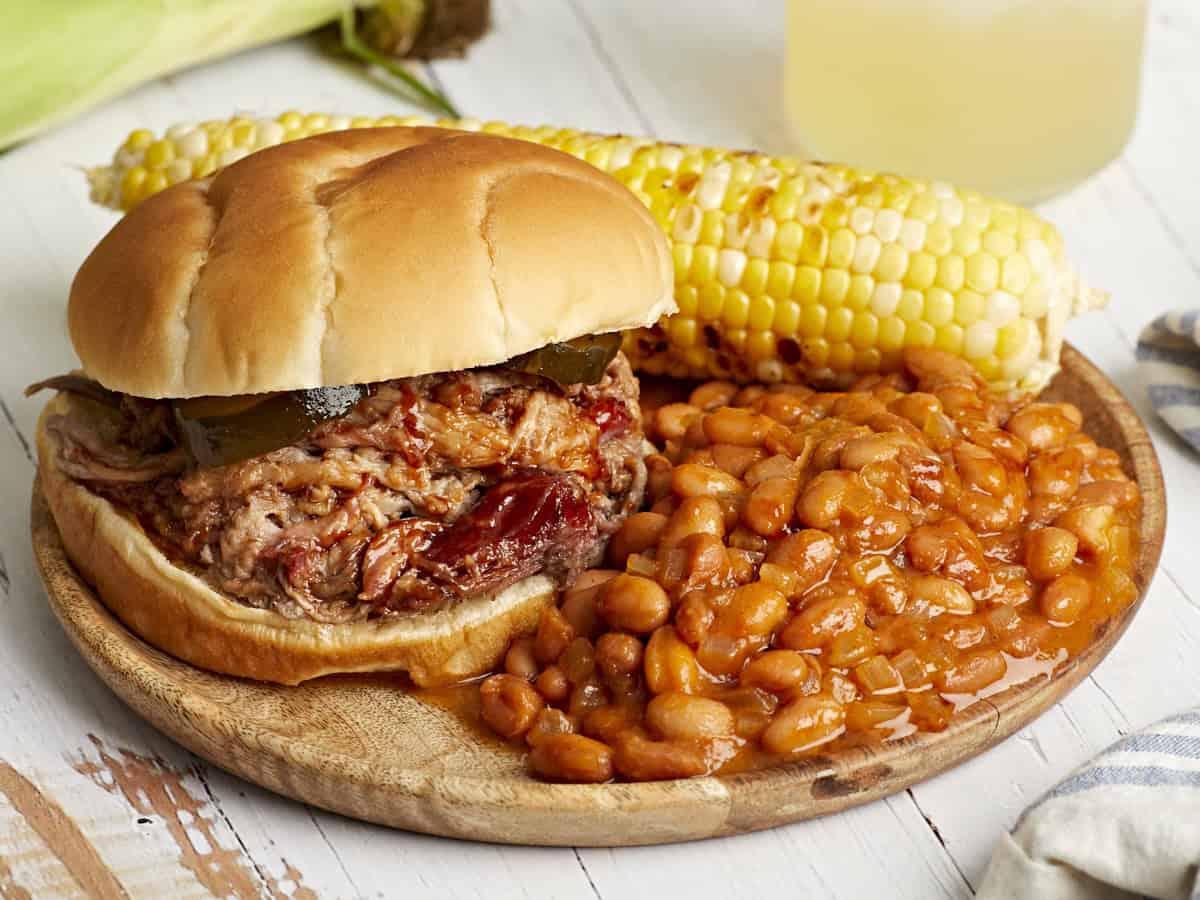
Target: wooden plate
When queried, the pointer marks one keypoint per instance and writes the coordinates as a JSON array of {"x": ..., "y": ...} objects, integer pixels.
[{"x": 360, "y": 746}]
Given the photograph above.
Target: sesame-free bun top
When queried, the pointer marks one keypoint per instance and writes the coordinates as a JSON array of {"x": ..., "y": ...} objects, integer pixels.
[{"x": 360, "y": 256}]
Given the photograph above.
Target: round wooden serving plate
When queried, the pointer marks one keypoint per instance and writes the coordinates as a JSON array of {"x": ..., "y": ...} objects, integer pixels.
[{"x": 363, "y": 747}]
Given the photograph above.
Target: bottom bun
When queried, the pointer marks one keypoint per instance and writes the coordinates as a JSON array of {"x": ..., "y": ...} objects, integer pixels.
[{"x": 179, "y": 613}]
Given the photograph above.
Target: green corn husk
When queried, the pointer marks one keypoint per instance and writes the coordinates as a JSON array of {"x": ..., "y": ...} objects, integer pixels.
[{"x": 60, "y": 57}]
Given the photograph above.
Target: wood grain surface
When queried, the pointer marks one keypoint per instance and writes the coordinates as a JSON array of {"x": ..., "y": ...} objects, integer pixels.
[{"x": 364, "y": 747}]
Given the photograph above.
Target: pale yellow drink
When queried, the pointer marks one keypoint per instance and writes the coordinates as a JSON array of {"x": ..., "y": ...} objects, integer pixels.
[{"x": 1020, "y": 98}]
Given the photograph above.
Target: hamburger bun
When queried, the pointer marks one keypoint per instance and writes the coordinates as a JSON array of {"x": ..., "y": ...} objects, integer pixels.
[{"x": 361, "y": 256}]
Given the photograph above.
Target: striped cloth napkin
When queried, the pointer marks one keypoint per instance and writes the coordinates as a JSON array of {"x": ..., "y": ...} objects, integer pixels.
[
  {"x": 1127, "y": 824},
  {"x": 1168, "y": 353}
]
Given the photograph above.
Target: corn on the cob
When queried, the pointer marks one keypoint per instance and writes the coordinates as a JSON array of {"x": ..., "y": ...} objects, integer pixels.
[{"x": 785, "y": 269}]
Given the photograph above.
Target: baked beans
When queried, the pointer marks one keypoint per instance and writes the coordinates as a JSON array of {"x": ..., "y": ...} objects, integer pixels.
[{"x": 816, "y": 570}]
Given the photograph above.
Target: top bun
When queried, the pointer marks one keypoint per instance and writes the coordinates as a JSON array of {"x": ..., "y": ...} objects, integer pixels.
[{"x": 360, "y": 256}]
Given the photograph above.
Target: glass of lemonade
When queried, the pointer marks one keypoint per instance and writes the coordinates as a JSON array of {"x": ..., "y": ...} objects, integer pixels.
[{"x": 1019, "y": 98}]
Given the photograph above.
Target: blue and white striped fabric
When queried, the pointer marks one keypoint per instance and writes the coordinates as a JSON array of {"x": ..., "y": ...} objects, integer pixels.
[
  {"x": 1168, "y": 353},
  {"x": 1127, "y": 824}
]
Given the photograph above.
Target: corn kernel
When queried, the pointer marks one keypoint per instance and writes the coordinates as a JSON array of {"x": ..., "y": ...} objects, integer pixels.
[
  {"x": 139, "y": 139},
  {"x": 965, "y": 241},
  {"x": 949, "y": 338},
  {"x": 762, "y": 312},
  {"x": 989, "y": 367},
  {"x": 760, "y": 345},
  {"x": 1014, "y": 337},
  {"x": 787, "y": 317},
  {"x": 835, "y": 285},
  {"x": 737, "y": 309},
  {"x": 782, "y": 206},
  {"x": 864, "y": 331},
  {"x": 688, "y": 299},
  {"x": 886, "y": 298},
  {"x": 316, "y": 121},
  {"x": 1036, "y": 302},
  {"x": 1002, "y": 308},
  {"x": 816, "y": 352},
  {"x": 704, "y": 265},
  {"x": 131, "y": 186},
  {"x": 891, "y": 333},
  {"x": 781, "y": 278},
  {"x": 179, "y": 170},
  {"x": 968, "y": 307},
  {"x": 867, "y": 359},
  {"x": 939, "y": 306},
  {"x": 812, "y": 320},
  {"x": 681, "y": 331},
  {"x": 841, "y": 357},
  {"x": 814, "y": 249},
  {"x": 837, "y": 326},
  {"x": 911, "y": 306},
  {"x": 1005, "y": 220},
  {"x": 999, "y": 243},
  {"x": 730, "y": 266},
  {"x": 835, "y": 215},
  {"x": 951, "y": 273},
  {"x": 923, "y": 208},
  {"x": 979, "y": 340},
  {"x": 977, "y": 215},
  {"x": 866, "y": 254},
  {"x": 983, "y": 272},
  {"x": 681, "y": 254},
  {"x": 754, "y": 278},
  {"x": 243, "y": 133},
  {"x": 841, "y": 249},
  {"x": 938, "y": 239},
  {"x": 862, "y": 220},
  {"x": 788, "y": 240},
  {"x": 204, "y": 166},
  {"x": 862, "y": 288},
  {"x": 808, "y": 286},
  {"x": 160, "y": 154},
  {"x": 711, "y": 300},
  {"x": 892, "y": 263},
  {"x": 922, "y": 270},
  {"x": 1016, "y": 274},
  {"x": 712, "y": 228},
  {"x": 919, "y": 334},
  {"x": 736, "y": 338}
]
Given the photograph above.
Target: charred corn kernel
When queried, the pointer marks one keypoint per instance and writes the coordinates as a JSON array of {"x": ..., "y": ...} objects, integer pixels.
[{"x": 770, "y": 254}]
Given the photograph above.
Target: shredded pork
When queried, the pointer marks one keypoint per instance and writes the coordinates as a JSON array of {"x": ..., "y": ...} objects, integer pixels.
[{"x": 431, "y": 489}]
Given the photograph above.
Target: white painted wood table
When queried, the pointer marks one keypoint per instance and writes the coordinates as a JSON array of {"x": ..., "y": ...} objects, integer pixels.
[{"x": 91, "y": 798}]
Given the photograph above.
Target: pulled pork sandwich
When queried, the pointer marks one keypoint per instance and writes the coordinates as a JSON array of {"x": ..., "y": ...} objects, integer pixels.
[{"x": 356, "y": 403}]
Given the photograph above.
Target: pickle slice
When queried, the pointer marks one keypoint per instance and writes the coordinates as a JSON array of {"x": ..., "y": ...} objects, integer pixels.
[
  {"x": 581, "y": 361},
  {"x": 222, "y": 430},
  {"x": 77, "y": 384}
]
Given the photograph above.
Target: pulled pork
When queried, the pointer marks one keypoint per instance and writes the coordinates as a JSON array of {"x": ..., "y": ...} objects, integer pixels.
[{"x": 431, "y": 489}]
